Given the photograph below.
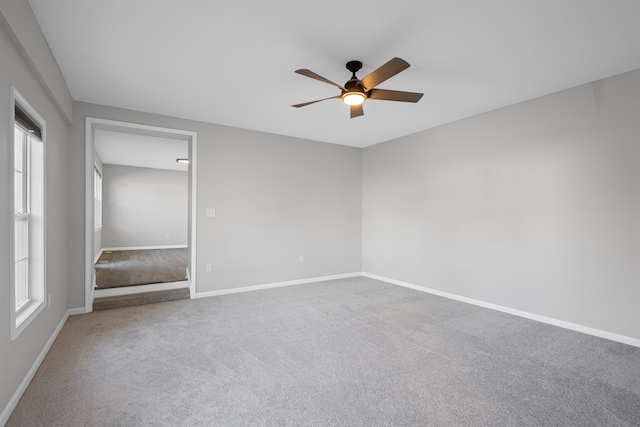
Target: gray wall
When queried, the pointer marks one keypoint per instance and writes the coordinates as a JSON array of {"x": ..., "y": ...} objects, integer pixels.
[
  {"x": 535, "y": 207},
  {"x": 20, "y": 24},
  {"x": 275, "y": 198},
  {"x": 141, "y": 206},
  {"x": 17, "y": 357}
]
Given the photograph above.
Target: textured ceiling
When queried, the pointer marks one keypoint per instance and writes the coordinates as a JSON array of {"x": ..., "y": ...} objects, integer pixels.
[{"x": 233, "y": 62}]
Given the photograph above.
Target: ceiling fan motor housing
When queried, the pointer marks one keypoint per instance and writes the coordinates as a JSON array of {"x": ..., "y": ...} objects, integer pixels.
[{"x": 354, "y": 84}]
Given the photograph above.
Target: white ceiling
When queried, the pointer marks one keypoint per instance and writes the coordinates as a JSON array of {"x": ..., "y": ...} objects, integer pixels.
[
  {"x": 129, "y": 149},
  {"x": 232, "y": 62}
]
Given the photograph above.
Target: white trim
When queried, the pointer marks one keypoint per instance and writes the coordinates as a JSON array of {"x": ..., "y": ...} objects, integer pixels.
[
  {"x": 275, "y": 285},
  {"x": 193, "y": 205},
  {"x": 26, "y": 314},
  {"x": 74, "y": 311},
  {"x": 13, "y": 402},
  {"x": 89, "y": 233},
  {"x": 97, "y": 173},
  {"x": 91, "y": 124},
  {"x": 97, "y": 257},
  {"x": 20, "y": 321},
  {"x": 141, "y": 248},
  {"x": 192, "y": 293},
  {"x": 531, "y": 316},
  {"x": 137, "y": 289}
]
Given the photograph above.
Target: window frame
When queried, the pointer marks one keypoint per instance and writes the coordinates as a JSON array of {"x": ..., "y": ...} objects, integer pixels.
[
  {"x": 21, "y": 213},
  {"x": 97, "y": 198},
  {"x": 22, "y": 315}
]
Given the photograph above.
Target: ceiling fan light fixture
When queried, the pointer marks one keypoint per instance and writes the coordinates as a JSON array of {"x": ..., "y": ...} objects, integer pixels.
[
  {"x": 355, "y": 92},
  {"x": 353, "y": 98}
]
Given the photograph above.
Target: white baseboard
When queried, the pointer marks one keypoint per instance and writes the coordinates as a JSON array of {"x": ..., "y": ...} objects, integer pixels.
[
  {"x": 275, "y": 285},
  {"x": 13, "y": 402},
  {"x": 532, "y": 316},
  {"x": 74, "y": 311},
  {"x": 141, "y": 248},
  {"x": 128, "y": 290}
]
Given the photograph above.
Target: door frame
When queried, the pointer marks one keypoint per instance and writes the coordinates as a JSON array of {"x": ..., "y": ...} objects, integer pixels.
[{"x": 91, "y": 125}]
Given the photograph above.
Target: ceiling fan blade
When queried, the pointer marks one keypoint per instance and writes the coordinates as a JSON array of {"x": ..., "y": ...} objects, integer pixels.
[
  {"x": 385, "y": 72},
  {"x": 356, "y": 111},
  {"x": 395, "y": 95},
  {"x": 309, "y": 73},
  {"x": 304, "y": 104}
]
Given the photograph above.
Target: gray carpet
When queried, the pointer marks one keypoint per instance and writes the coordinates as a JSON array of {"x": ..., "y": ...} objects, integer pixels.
[{"x": 353, "y": 352}]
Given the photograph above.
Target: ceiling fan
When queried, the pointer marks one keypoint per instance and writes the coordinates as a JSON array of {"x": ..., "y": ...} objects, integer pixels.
[{"x": 356, "y": 91}]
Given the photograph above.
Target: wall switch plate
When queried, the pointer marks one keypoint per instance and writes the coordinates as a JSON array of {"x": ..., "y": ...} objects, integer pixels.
[
  {"x": 211, "y": 213},
  {"x": 208, "y": 267},
  {"x": 301, "y": 258}
]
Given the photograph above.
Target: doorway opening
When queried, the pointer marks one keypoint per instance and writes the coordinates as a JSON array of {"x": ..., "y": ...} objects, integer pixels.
[{"x": 111, "y": 259}]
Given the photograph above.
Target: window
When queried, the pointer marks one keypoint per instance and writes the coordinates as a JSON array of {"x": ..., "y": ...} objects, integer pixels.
[
  {"x": 27, "y": 203},
  {"x": 97, "y": 198}
]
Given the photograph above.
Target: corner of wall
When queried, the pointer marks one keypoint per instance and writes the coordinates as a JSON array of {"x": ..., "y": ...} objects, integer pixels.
[{"x": 20, "y": 23}]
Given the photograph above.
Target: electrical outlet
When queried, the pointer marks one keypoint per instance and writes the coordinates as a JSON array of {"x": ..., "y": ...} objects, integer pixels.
[
  {"x": 301, "y": 258},
  {"x": 208, "y": 268}
]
